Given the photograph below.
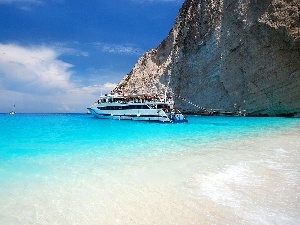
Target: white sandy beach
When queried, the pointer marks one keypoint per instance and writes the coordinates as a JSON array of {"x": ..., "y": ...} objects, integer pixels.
[{"x": 241, "y": 181}]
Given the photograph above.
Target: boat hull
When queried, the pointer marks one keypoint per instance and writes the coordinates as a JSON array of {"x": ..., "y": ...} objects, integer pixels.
[{"x": 137, "y": 115}]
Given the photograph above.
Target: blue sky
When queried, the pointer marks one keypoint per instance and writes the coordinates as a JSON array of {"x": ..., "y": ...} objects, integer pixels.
[{"x": 60, "y": 55}]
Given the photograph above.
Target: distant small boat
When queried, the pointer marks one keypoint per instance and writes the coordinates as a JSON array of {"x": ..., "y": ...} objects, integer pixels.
[{"x": 13, "y": 112}]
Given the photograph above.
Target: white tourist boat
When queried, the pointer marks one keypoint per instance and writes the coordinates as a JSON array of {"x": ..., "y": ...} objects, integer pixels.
[{"x": 137, "y": 107}]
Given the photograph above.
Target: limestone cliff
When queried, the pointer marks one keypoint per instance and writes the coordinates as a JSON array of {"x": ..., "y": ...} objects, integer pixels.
[{"x": 227, "y": 54}]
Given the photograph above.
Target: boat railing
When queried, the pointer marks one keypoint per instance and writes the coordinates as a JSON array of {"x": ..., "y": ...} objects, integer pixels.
[
  {"x": 108, "y": 98},
  {"x": 155, "y": 101}
]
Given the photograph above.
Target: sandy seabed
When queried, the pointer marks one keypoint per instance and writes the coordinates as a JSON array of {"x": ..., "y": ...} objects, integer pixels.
[{"x": 254, "y": 180}]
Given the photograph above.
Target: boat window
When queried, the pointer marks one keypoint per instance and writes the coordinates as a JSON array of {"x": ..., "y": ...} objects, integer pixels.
[
  {"x": 138, "y": 107},
  {"x": 161, "y": 106},
  {"x": 113, "y": 107}
]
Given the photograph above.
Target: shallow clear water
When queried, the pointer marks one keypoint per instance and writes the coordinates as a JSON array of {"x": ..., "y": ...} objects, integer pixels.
[{"x": 76, "y": 169}]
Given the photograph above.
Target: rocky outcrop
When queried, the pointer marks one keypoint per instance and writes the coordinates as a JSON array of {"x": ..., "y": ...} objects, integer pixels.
[{"x": 227, "y": 54}]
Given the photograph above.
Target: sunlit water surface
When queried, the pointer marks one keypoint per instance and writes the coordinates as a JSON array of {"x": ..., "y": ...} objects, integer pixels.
[{"x": 76, "y": 169}]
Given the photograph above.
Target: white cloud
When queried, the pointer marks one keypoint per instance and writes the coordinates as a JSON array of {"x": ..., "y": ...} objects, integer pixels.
[
  {"x": 76, "y": 100},
  {"x": 95, "y": 89},
  {"x": 63, "y": 49},
  {"x": 128, "y": 49},
  {"x": 20, "y": 1},
  {"x": 36, "y": 2},
  {"x": 27, "y": 5},
  {"x": 33, "y": 69},
  {"x": 37, "y": 81},
  {"x": 22, "y": 4}
]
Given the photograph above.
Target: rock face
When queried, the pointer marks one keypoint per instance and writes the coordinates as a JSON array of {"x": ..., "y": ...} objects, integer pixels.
[{"x": 227, "y": 54}]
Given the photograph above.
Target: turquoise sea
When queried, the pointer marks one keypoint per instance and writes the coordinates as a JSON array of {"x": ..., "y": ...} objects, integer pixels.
[{"x": 77, "y": 169}]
